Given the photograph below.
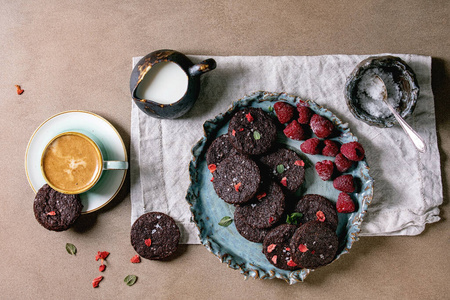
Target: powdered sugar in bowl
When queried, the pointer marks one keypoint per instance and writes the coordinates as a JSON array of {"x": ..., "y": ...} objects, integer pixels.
[{"x": 363, "y": 94}]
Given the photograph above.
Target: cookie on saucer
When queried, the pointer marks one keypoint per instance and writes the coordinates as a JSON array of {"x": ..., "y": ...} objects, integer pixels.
[{"x": 54, "y": 210}]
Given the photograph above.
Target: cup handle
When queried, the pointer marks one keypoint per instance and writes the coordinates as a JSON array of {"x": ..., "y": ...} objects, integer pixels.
[
  {"x": 202, "y": 67},
  {"x": 115, "y": 165}
]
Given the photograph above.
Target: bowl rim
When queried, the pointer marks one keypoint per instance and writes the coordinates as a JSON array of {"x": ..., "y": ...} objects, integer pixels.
[{"x": 373, "y": 62}]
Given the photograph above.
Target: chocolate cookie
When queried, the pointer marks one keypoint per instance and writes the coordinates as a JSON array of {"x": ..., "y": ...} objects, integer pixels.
[
  {"x": 155, "y": 235},
  {"x": 286, "y": 167},
  {"x": 316, "y": 207},
  {"x": 265, "y": 209},
  {"x": 219, "y": 149},
  {"x": 250, "y": 233},
  {"x": 252, "y": 131},
  {"x": 313, "y": 245},
  {"x": 236, "y": 179},
  {"x": 54, "y": 210},
  {"x": 277, "y": 249}
]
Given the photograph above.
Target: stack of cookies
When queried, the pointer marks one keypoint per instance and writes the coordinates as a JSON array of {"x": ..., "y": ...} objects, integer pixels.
[{"x": 251, "y": 171}]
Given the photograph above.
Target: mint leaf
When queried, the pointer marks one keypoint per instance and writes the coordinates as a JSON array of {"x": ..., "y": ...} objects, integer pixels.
[
  {"x": 280, "y": 169},
  {"x": 256, "y": 135},
  {"x": 130, "y": 280},
  {"x": 226, "y": 221},
  {"x": 294, "y": 218},
  {"x": 71, "y": 249}
]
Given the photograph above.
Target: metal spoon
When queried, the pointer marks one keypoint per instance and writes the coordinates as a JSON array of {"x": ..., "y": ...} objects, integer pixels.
[{"x": 412, "y": 134}]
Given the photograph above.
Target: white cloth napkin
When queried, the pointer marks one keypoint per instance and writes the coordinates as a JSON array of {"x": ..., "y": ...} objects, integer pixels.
[{"x": 408, "y": 185}]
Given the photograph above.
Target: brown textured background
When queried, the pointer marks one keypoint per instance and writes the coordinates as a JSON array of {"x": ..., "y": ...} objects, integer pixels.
[{"x": 77, "y": 55}]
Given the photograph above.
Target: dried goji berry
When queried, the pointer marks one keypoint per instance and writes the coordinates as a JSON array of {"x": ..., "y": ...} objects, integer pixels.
[
  {"x": 302, "y": 248},
  {"x": 51, "y": 213},
  {"x": 136, "y": 259},
  {"x": 19, "y": 90},
  {"x": 320, "y": 216},
  {"x": 96, "y": 281},
  {"x": 291, "y": 263},
  {"x": 212, "y": 167},
  {"x": 102, "y": 268},
  {"x": 260, "y": 196},
  {"x": 271, "y": 247},
  {"x": 101, "y": 255},
  {"x": 300, "y": 163},
  {"x": 237, "y": 186},
  {"x": 148, "y": 242},
  {"x": 249, "y": 117},
  {"x": 274, "y": 259}
]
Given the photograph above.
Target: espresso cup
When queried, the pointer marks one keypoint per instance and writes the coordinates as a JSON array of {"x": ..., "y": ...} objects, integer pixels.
[{"x": 72, "y": 163}]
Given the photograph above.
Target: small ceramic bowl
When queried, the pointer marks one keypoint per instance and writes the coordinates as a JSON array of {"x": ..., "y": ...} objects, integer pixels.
[{"x": 402, "y": 75}]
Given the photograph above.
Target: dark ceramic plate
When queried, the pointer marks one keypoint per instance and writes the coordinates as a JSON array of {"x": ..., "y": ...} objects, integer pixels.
[{"x": 208, "y": 209}]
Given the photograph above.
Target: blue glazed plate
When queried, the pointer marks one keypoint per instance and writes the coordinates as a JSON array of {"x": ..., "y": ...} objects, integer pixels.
[{"x": 208, "y": 209}]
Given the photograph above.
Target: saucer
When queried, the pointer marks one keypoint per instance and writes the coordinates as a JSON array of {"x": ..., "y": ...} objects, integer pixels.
[{"x": 109, "y": 140}]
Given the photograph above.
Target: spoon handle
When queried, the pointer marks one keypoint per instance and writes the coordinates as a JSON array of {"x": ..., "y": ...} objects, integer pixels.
[{"x": 413, "y": 135}]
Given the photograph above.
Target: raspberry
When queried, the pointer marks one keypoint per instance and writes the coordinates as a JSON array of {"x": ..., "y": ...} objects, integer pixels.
[
  {"x": 311, "y": 146},
  {"x": 331, "y": 148},
  {"x": 345, "y": 204},
  {"x": 304, "y": 114},
  {"x": 353, "y": 151},
  {"x": 284, "y": 111},
  {"x": 342, "y": 163},
  {"x": 295, "y": 131},
  {"x": 325, "y": 169},
  {"x": 344, "y": 183},
  {"x": 322, "y": 127}
]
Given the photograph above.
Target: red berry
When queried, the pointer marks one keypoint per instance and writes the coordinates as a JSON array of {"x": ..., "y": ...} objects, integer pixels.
[
  {"x": 136, "y": 259},
  {"x": 344, "y": 183},
  {"x": 345, "y": 203},
  {"x": 353, "y": 151},
  {"x": 212, "y": 168},
  {"x": 342, "y": 163},
  {"x": 302, "y": 248},
  {"x": 295, "y": 131},
  {"x": 304, "y": 114},
  {"x": 291, "y": 263},
  {"x": 96, "y": 281},
  {"x": 284, "y": 111},
  {"x": 271, "y": 247},
  {"x": 325, "y": 169},
  {"x": 331, "y": 148},
  {"x": 311, "y": 146},
  {"x": 322, "y": 127}
]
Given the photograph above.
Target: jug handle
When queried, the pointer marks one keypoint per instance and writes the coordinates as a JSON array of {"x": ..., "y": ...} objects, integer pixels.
[{"x": 202, "y": 67}]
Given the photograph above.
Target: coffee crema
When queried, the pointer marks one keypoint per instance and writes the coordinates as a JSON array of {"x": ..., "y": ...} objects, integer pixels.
[{"x": 71, "y": 163}]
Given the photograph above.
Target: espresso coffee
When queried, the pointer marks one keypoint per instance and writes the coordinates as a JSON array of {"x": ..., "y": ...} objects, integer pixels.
[{"x": 71, "y": 163}]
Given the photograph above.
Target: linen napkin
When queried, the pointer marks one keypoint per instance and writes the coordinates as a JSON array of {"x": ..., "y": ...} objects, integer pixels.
[{"x": 408, "y": 184}]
